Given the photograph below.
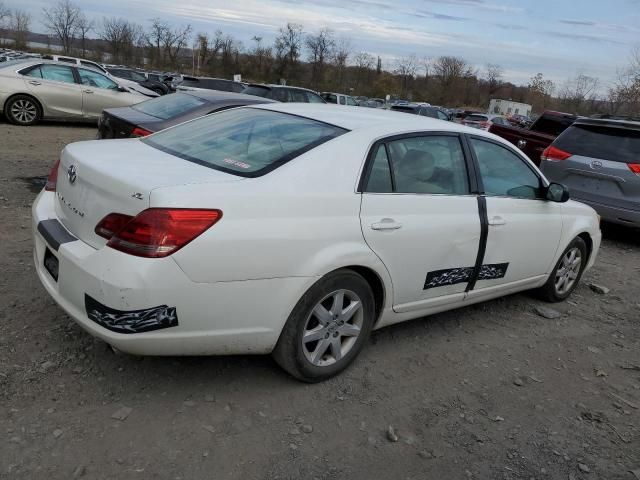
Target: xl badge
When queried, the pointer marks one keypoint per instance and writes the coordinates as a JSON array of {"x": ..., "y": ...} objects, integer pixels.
[{"x": 72, "y": 174}]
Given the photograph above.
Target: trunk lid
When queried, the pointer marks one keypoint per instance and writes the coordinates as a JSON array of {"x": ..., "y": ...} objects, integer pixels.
[{"x": 96, "y": 178}]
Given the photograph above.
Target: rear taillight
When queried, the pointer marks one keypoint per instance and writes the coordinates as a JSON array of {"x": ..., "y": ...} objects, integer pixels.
[
  {"x": 111, "y": 224},
  {"x": 635, "y": 168},
  {"x": 140, "y": 132},
  {"x": 52, "y": 179},
  {"x": 554, "y": 154},
  {"x": 159, "y": 232}
]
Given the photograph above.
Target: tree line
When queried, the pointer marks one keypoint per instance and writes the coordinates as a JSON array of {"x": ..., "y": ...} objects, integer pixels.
[{"x": 319, "y": 60}]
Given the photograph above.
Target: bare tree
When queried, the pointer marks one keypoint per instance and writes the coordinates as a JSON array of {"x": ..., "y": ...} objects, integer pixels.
[
  {"x": 406, "y": 68},
  {"x": 174, "y": 41},
  {"x": 123, "y": 37},
  {"x": 321, "y": 47},
  {"x": 287, "y": 47},
  {"x": 341, "y": 54},
  {"x": 19, "y": 23},
  {"x": 625, "y": 93},
  {"x": 493, "y": 77},
  {"x": 450, "y": 69},
  {"x": 364, "y": 63},
  {"x": 577, "y": 90},
  {"x": 261, "y": 56},
  {"x": 84, "y": 27},
  {"x": 155, "y": 38},
  {"x": 61, "y": 21}
]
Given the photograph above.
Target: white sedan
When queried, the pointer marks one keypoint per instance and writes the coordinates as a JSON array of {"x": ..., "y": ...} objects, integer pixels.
[{"x": 296, "y": 229}]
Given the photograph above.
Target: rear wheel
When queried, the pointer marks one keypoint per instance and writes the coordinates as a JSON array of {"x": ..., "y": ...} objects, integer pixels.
[
  {"x": 327, "y": 328},
  {"x": 567, "y": 273},
  {"x": 23, "y": 110}
]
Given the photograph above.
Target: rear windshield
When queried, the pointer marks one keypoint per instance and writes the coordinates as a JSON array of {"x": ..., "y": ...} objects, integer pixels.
[
  {"x": 476, "y": 118},
  {"x": 606, "y": 143},
  {"x": 404, "y": 109},
  {"x": 258, "y": 91},
  {"x": 552, "y": 124},
  {"x": 245, "y": 141},
  {"x": 169, "y": 106}
]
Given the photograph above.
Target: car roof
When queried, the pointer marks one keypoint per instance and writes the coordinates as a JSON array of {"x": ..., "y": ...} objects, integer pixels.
[
  {"x": 385, "y": 122},
  {"x": 271, "y": 85},
  {"x": 220, "y": 96},
  {"x": 607, "y": 122}
]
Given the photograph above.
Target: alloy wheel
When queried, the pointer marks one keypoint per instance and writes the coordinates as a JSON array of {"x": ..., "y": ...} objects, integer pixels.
[
  {"x": 24, "y": 111},
  {"x": 568, "y": 271},
  {"x": 332, "y": 328}
]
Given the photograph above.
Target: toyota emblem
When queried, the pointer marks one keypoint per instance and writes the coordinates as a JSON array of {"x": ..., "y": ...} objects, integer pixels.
[
  {"x": 596, "y": 164},
  {"x": 72, "y": 173}
]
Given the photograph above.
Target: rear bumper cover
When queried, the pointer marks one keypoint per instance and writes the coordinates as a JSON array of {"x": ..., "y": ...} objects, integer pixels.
[
  {"x": 622, "y": 216},
  {"x": 134, "y": 303}
]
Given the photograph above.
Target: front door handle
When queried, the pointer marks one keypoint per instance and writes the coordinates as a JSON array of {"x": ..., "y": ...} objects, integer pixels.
[
  {"x": 386, "y": 224},
  {"x": 34, "y": 82},
  {"x": 497, "y": 220},
  {"x": 88, "y": 91}
]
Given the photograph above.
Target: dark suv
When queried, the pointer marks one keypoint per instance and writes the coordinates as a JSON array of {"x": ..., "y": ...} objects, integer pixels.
[
  {"x": 283, "y": 94},
  {"x": 599, "y": 160},
  {"x": 424, "y": 110},
  {"x": 208, "y": 83}
]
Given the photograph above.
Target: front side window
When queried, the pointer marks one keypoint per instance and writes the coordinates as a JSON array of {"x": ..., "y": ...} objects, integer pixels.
[
  {"x": 330, "y": 97},
  {"x": 432, "y": 164},
  {"x": 247, "y": 142},
  {"x": 442, "y": 115},
  {"x": 57, "y": 73},
  {"x": 258, "y": 91},
  {"x": 351, "y": 102},
  {"x": 504, "y": 173},
  {"x": 169, "y": 106},
  {"x": 343, "y": 101},
  {"x": 313, "y": 98},
  {"x": 95, "y": 79}
]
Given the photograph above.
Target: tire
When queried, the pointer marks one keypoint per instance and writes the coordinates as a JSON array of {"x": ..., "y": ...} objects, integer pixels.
[
  {"x": 23, "y": 110},
  {"x": 556, "y": 291},
  {"x": 346, "y": 332}
]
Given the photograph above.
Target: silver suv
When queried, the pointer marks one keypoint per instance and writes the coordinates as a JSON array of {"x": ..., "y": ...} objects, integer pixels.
[{"x": 599, "y": 160}]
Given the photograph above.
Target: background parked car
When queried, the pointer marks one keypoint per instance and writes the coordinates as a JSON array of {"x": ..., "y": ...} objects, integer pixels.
[
  {"x": 140, "y": 78},
  {"x": 599, "y": 160},
  {"x": 129, "y": 84},
  {"x": 41, "y": 89},
  {"x": 159, "y": 113},
  {"x": 208, "y": 83},
  {"x": 339, "y": 99},
  {"x": 284, "y": 93},
  {"x": 538, "y": 136},
  {"x": 484, "y": 121},
  {"x": 423, "y": 110},
  {"x": 165, "y": 78}
]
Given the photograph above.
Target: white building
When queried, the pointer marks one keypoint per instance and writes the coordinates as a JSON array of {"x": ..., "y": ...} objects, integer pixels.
[{"x": 507, "y": 107}]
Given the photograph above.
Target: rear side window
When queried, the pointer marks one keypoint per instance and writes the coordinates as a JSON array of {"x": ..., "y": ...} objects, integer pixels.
[
  {"x": 504, "y": 174},
  {"x": 330, "y": 98},
  {"x": 57, "y": 73},
  {"x": 432, "y": 164},
  {"x": 258, "y": 91},
  {"x": 169, "y": 106},
  {"x": 246, "y": 142},
  {"x": 606, "y": 143},
  {"x": 313, "y": 98}
]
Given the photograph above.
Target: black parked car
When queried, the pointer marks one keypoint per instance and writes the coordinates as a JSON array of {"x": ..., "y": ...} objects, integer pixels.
[
  {"x": 148, "y": 117},
  {"x": 208, "y": 83},
  {"x": 283, "y": 93},
  {"x": 424, "y": 110},
  {"x": 140, "y": 78}
]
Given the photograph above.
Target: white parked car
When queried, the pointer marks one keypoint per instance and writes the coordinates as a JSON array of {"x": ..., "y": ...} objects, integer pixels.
[
  {"x": 41, "y": 89},
  {"x": 297, "y": 229},
  {"x": 339, "y": 99}
]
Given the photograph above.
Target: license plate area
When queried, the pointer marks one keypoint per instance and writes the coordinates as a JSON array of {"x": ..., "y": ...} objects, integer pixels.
[{"x": 51, "y": 263}]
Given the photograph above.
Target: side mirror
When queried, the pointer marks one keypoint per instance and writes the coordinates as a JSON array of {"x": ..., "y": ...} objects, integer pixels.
[
  {"x": 122, "y": 89},
  {"x": 556, "y": 192}
]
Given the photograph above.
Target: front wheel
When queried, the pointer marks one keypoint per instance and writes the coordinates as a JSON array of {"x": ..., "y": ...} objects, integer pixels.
[
  {"x": 327, "y": 328},
  {"x": 23, "y": 110},
  {"x": 567, "y": 273}
]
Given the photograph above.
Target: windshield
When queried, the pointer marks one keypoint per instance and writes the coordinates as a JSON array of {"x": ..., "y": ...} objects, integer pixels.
[
  {"x": 245, "y": 141},
  {"x": 169, "y": 106}
]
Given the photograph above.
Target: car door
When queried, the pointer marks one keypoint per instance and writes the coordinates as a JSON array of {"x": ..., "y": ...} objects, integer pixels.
[
  {"x": 100, "y": 92},
  {"x": 56, "y": 88},
  {"x": 524, "y": 228},
  {"x": 419, "y": 216}
]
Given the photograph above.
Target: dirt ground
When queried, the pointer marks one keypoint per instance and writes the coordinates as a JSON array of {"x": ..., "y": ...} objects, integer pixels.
[{"x": 493, "y": 391}]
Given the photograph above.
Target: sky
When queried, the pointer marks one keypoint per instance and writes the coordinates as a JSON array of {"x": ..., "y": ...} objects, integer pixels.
[{"x": 559, "y": 38}]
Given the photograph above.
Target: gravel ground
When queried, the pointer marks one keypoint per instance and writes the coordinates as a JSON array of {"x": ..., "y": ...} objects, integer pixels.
[{"x": 493, "y": 391}]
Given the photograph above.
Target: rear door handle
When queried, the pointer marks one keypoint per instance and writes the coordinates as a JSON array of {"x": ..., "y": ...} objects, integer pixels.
[
  {"x": 497, "y": 220},
  {"x": 88, "y": 91},
  {"x": 386, "y": 224},
  {"x": 34, "y": 82}
]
